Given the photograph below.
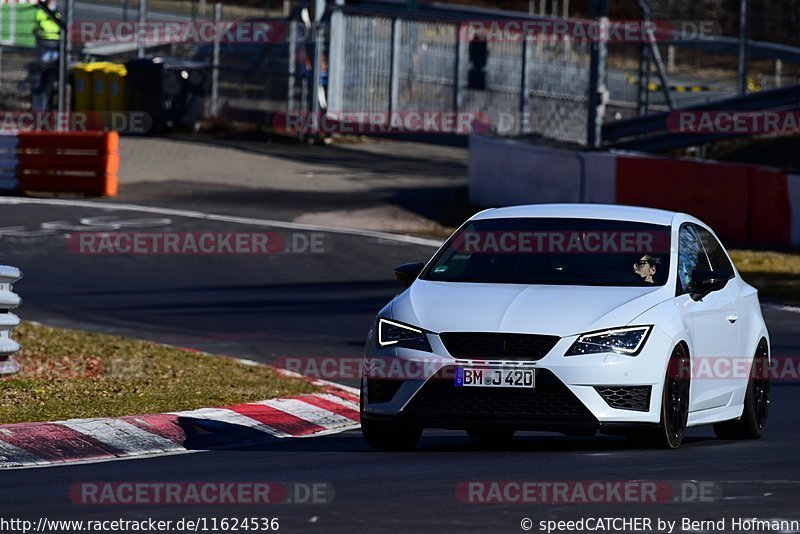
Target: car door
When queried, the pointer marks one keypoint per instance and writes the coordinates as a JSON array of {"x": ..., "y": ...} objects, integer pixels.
[
  {"x": 740, "y": 357},
  {"x": 714, "y": 326}
]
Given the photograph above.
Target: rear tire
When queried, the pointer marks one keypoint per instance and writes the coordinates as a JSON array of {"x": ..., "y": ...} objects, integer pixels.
[
  {"x": 674, "y": 405},
  {"x": 756, "y": 402}
]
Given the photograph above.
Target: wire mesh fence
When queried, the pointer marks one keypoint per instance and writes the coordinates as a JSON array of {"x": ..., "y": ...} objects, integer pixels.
[
  {"x": 528, "y": 86},
  {"x": 426, "y": 67},
  {"x": 401, "y": 61},
  {"x": 367, "y": 63}
]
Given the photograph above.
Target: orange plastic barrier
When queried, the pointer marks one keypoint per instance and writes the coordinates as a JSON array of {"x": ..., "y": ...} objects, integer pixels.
[{"x": 68, "y": 162}]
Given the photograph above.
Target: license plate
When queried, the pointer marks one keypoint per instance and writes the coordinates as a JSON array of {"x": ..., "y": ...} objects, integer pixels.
[{"x": 488, "y": 377}]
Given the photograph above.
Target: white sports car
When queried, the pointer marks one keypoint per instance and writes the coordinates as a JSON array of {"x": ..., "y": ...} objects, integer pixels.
[{"x": 569, "y": 318}]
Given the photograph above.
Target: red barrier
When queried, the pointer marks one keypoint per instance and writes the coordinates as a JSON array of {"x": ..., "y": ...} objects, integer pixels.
[
  {"x": 716, "y": 193},
  {"x": 770, "y": 210},
  {"x": 68, "y": 162}
]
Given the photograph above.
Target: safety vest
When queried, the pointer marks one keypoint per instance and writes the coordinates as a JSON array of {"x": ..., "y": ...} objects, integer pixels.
[{"x": 48, "y": 30}]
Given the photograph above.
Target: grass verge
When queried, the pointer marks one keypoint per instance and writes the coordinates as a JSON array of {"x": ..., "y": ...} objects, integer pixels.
[
  {"x": 72, "y": 374},
  {"x": 776, "y": 275}
]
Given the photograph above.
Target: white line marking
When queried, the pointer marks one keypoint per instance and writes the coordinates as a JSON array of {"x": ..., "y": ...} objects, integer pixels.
[
  {"x": 251, "y": 363},
  {"x": 781, "y": 307},
  {"x": 122, "y": 435},
  {"x": 310, "y": 413},
  {"x": 224, "y": 415},
  {"x": 338, "y": 400},
  {"x": 315, "y": 381},
  {"x": 224, "y": 218},
  {"x": 14, "y": 455}
]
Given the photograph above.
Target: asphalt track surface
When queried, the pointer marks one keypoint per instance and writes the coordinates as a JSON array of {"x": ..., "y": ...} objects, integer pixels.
[{"x": 264, "y": 307}]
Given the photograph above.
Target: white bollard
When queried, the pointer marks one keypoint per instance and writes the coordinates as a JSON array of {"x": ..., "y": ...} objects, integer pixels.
[{"x": 8, "y": 321}]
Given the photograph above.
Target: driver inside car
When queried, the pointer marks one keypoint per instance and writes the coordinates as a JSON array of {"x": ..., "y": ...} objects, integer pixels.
[{"x": 646, "y": 267}]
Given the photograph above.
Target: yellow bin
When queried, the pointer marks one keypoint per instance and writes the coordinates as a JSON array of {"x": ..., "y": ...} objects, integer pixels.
[
  {"x": 116, "y": 86},
  {"x": 81, "y": 87},
  {"x": 99, "y": 85}
]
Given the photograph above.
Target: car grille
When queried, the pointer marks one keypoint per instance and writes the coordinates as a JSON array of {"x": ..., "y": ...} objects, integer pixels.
[
  {"x": 636, "y": 398},
  {"x": 494, "y": 346},
  {"x": 550, "y": 399},
  {"x": 380, "y": 390}
]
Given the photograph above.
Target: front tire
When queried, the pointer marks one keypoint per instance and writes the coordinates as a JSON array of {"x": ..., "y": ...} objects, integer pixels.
[
  {"x": 756, "y": 402},
  {"x": 674, "y": 405},
  {"x": 387, "y": 435}
]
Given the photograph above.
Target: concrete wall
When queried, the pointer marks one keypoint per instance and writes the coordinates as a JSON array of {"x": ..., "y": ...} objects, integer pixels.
[
  {"x": 505, "y": 172},
  {"x": 743, "y": 203}
]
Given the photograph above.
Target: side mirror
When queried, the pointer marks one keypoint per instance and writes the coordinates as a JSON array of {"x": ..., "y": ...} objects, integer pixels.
[
  {"x": 408, "y": 272},
  {"x": 705, "y": 282}
]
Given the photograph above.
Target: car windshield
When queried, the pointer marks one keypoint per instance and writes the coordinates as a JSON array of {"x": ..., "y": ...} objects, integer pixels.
[{"x": 558, "y": 251}]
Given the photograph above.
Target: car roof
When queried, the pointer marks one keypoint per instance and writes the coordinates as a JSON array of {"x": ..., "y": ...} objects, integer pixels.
[{"x": 585, "y": 211}]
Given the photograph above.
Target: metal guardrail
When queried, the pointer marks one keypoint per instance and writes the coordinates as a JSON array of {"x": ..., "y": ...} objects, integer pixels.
[
  {"x": 8, "y": 321},
  {"x": 730, "y": 45},
  {"x": 651, "y": 133}
]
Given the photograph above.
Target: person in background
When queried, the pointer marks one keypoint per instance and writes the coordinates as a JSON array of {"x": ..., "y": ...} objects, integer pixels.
[{"x": 47, "y": 33}]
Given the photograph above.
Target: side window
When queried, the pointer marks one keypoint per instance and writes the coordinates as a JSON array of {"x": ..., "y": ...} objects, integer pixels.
[
  {"x": 691, "y": 257},
  {"x": 719, "y": 261}
]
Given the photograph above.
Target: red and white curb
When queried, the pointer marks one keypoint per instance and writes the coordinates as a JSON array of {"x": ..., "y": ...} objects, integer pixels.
[{"x": 332, "y": 410}]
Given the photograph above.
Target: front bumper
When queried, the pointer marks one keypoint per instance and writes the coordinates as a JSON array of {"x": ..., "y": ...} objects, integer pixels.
[{"x": 597, "y": 391}]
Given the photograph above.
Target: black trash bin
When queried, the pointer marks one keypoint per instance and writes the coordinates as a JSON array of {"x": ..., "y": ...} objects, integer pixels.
[{"x": 171, "y": 90}]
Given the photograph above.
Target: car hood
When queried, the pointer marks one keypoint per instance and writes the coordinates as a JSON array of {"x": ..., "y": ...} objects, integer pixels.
[{"x": 538, "y": 309}]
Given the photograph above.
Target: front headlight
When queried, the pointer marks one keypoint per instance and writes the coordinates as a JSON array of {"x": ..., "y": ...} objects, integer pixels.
[
  {"x": 628, "y": 341},
  {"x": 392, "y": 333}
]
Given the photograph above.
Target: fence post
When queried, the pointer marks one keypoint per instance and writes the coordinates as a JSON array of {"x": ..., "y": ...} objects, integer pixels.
[
  {"x": 394, "y": 74},
  {"x": 457, "y": 98},
  {"x": 670, "y": 59},
  {"x": 336, "y": 67},
  {"x": 524, "y": 87},
  {"x": 643, "y": 90},
  {"x": 8, "y": 321},
  {"x": 142, "y": 22},
  {"x": 597, "y": 73},
  {"x": 742, "y": 68},
  {"x": 65, "y": 49},
  {"x": 215, "y": 61},
  {"x": 291, "y": 80},
  {"x": 316, "y": 106}
]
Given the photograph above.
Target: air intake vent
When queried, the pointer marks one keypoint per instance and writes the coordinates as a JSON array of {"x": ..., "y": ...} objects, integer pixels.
[
  {"x": 636, "y": 398},
  {"x": 493, "y": 346}
]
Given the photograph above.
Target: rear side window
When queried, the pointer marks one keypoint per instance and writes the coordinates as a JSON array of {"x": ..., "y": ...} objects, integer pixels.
[
  {"x": 691, "y": 257},
  {"x": 716, "y": 254}
]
